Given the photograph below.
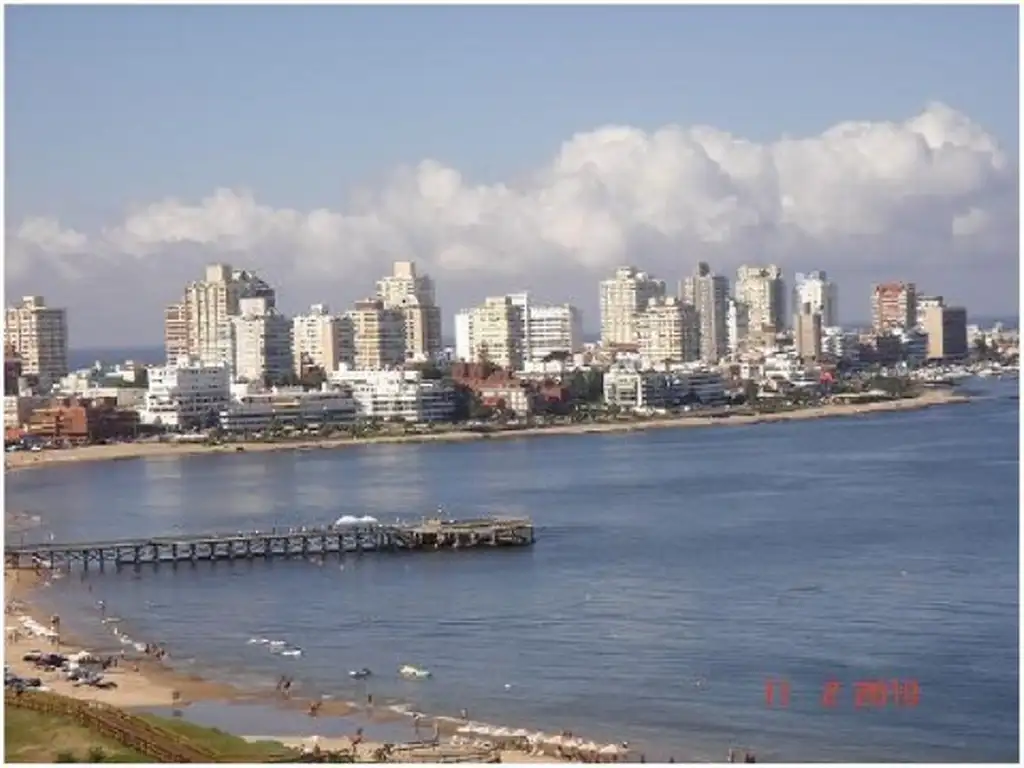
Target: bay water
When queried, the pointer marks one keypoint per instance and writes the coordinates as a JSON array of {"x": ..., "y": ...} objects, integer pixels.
[{"x": 675, "y": 573}]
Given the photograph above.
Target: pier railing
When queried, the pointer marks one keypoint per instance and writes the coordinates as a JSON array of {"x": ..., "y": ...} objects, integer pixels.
[{"x": 304, "y": 542}]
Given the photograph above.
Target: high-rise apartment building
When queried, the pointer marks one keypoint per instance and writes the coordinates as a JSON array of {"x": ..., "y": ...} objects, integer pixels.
[
  {"x": 317, "y": 338},
  {"x": 763, "y": 291},
  {"x": 669, "y": 331},
  {"x": 623, "y": 298},
  {"x": 739, "y": 326},
  {"x": 547, "y": 329},
  {"x": 464, "y": 336},
  {"x": 378, "y": 335},
  {"x": 261, "y": 342},
  {"x": 922, "y": 305},
  {"x": 947, "y": 332},
  {"x": 893, "y": 307},
  {"x": 176, "y": 344},
  {"x": 208, "y": 306},
  {"x": 413, "y": 295},
  {"x": 496, "y": 333},
  {"x": 807, "y": 332},
  {"x": 554, "y": 329},
  {"x": 709, "y": 295},
  {"x": 822, "y": 294},
  {"x": 38, "y": 334}
]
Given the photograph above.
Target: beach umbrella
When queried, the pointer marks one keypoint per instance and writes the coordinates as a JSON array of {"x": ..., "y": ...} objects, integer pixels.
[
  {"x": 555, "y": 741},
  {"x": 609, "y": 749},
  {"x": 589, "y": 746}
]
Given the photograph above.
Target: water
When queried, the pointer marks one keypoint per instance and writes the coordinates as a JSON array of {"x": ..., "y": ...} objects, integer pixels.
[{"x": 675, "y": 572}]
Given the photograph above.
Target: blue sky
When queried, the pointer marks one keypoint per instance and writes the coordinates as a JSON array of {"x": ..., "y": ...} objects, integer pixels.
[{"x": 112, "y": 107}]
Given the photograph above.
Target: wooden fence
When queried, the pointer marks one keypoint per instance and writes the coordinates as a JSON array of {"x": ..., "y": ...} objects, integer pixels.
[{"x": 149, "y": 740}]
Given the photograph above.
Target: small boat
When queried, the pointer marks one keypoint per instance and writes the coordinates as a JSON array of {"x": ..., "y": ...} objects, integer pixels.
[
  {"x": 360, "y": 674},
  {"x": 414, "y": 673}
]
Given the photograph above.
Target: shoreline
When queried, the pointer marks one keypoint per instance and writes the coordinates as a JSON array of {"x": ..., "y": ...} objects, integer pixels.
[
  {"x": 147, "y": 684},
  {"x": 128, "y": 452}
]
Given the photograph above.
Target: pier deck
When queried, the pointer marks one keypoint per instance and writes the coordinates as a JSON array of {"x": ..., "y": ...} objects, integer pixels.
[{"x": 308, "y": 541}]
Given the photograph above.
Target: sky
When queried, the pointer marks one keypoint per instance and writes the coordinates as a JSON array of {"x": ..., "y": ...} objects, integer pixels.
[{"x": 504, "y": 149}]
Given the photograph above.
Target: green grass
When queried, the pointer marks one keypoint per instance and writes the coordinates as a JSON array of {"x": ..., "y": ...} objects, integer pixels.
[
  {"x": 218, "y": 742},
  {"x": 34, "y": 737}
]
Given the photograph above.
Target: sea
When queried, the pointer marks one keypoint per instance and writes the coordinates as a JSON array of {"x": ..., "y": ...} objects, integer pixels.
[{"x": 677, "y": 575}]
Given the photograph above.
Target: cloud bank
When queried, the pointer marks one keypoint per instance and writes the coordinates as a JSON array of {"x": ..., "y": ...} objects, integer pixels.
[{"x": 924, "y": 193}]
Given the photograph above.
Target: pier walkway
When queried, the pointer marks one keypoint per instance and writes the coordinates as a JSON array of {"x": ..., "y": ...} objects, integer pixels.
[{"x": 426, "y": 535}]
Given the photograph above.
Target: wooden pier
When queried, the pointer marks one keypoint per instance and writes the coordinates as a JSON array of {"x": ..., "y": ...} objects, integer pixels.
[{"x": 298, "y": 542}]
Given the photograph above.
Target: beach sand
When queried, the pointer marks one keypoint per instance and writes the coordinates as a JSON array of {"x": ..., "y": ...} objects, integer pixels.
[
  {"x": 147, "y": 683},
  {"x": 29, "y": 459}
]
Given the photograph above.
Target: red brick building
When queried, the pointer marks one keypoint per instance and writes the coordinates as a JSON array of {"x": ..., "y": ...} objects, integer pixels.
[{"x": 83, "y": 421}]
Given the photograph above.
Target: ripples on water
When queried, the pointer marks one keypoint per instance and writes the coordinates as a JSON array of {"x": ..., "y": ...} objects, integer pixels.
[{"x": 675, "y": 571}]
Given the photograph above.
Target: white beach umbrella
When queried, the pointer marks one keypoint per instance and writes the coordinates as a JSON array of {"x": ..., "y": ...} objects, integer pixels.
[
  {"x": 609, "y": 749},
  {"x": 589, "y": 746}
]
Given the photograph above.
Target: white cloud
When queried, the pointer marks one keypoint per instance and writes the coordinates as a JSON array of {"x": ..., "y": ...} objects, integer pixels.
[{"x": 617, "y": 194}]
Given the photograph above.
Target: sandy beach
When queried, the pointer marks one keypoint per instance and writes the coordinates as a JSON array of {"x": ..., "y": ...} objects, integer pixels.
[
  {"x": 148, "y": 683},
  {"x": 27, "y": 459}
]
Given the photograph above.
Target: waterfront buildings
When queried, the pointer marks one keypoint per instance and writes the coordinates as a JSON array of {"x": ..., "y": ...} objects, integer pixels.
[
  {"x": 840, "y": 344},
  {"x": 256, "y": 410},
  {"x": 623, "y": 298},
  {"x": 186, "y": 394},
  {"x": 709, "y": 295},
  {"x": 822, "y": 294},
  {"x": 547, "y": 330},
  {"x": 413, "y": 295},
  {"x": 201, "y": 321},
  {"x": 947, "y": 332},
  {"x": 317, "y": 340},
  {"x": 261, "y": 342},
  {"x": 397, "y": 395},
  {"x": 738, "y": 325},
  {"x": 495, "y": 333},
  {"x": 176, "y": 341},
  {"x": 668, "y": 331},
  {"x": 378, "y": 335},
  {"x": 629, "y": 388},
  {"x": 923, "y": 304},
  {"x": 762, "y": 290},
  {"x": 807, "y": 332},
  {"x": 38, "y": 335},
  {"x": 893, "y": 306}
]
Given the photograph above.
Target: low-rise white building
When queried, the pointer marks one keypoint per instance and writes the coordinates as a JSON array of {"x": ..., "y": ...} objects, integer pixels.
[
  {"x": 840, "y": 344},
  {"x": 397, "y": 395},
  {"x": 253, "y": 411},
  {"x": 632, "y": 389},
  {"x": 186, "y": 395}
]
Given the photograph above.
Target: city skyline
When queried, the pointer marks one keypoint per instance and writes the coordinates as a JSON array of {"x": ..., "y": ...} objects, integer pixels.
[{"x": 913, "y": 179}]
